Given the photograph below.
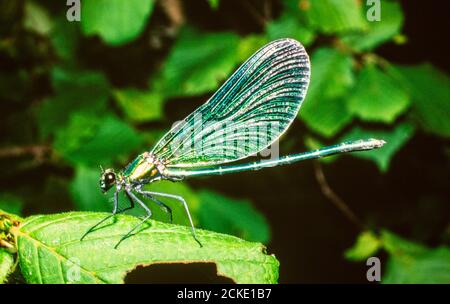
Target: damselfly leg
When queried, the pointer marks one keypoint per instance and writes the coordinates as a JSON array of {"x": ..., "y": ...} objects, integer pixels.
[
  {"x": 166, "y": 208},
  {"x": 180, "y": 199},
  {"x": 115, "y": 211},
  {"x": 149, "y": 214}
]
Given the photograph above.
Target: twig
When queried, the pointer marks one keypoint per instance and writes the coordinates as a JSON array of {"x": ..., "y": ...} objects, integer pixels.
[
  {"x": 174, "y": 12},
  {"x": 257, "y": 15},
  {"x": 334, "y": 198},
  {"x": 37, "y": 151}
]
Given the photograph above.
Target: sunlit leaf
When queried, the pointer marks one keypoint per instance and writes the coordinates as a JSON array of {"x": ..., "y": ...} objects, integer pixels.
[
  {"x": 36, "y": 18},
  {"x": 430, "y": 92},
  {"x": 214, "y": 4},
  {"x": 395, "y": 139},
  {"x": 324, "y": 109},
  {"x": 333, "y": 16},
  {"x": 199, "y": 62},
  {"x": 236, "y": 217},
  {"x": 378, "y": 96},
  {"x": 367, "y": 244},
  {"x": 249, "y": 45},
  {"x": 6, "y": 264},
  {"x": 288, "y": 25},
  {"x": 378, "y": 32},
  {"x": 140, "y": 106},
  {"x": 116, "y": 21},
  {"x": 50, "y": 250},
  {"x": 412, "y": 263}
]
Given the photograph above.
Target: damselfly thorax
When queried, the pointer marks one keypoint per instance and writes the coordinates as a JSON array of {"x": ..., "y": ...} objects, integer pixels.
[{"x": 146, "y": 167}]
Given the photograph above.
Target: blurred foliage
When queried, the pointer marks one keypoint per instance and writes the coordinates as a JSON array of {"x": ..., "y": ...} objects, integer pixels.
[
  {"x": 72, "y": 115},
  {"x": 408, "y": 262}
]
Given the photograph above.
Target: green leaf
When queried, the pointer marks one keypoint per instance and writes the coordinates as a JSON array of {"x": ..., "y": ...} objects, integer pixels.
[
  {"x": 116, "y": 21},
  {"x": 366, "y": 246},
  {"x": 289, "y": 25},
  {"x": 324, "y": 109},
  {"x": 249, "y": 45},
  {"x": 430, "y": 90},
  {"x": 214, "y": 4},
  {"x": 50, "y": 250},
  {"x": 93, "y": 140},
  {"x": 237, "y": 217},
  {"x": 36, "y": 18},
  {"x": 75, "y": 91},
  {"x": 199, "y": 62},
  {"x": 395, "y": 139},
  {"x": 140, "y": 106},
  {"x": 378, "y": 32},
  {"x": 6, "y": 264},
  {"x": 378, "y": 96},
  {"x": 11, "y": 203},
  {"x": 85, "y": 190},
  {"x": 65, "y": 37},
  {"x": 334, "y": 16},
  {"x": 411, "y": 263}
]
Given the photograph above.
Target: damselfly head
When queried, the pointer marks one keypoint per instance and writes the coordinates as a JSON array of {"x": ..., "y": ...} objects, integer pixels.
[{"x": 107, "y": 179}]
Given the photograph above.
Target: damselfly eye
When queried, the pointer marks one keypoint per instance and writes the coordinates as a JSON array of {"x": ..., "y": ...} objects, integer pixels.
[{"x": 110, "y": 177}]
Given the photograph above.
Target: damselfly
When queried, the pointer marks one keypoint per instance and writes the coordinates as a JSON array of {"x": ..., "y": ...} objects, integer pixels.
[{"x": 248, "y": 113}]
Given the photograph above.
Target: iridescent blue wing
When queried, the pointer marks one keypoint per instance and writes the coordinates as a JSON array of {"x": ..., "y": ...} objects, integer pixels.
[{"x": 253, "y": 108}]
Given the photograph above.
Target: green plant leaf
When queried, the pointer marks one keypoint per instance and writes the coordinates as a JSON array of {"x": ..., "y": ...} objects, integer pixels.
[
  {"x": 6, "y": 264},
  {"x": 93, "y": 140},
  {"x": 75, "y": 91},
  {"x": 65, "y": 38},
  {"x": 140, "y": 106},
  {"x": 324, "y": 109},
  {"x": 249, "y": 45},
  {"x": 236, "y": 217},
  {"x": 50, "y": 250},
  {"x": 85, "y": 190},
  {"x": 367, "y": 244},
  {"x": 412, "y": 263},
  {"x": 36, "y": 18},
  {"x": 116, "y": 21},
  {"x": 430, "y": 90},
  {"x": 333, "y": 16},
  {"x": 11, "y": 203},
  {"x": 288, "y": 25},
  {"x": 214, "y": 4},
  {"x": 395, "y": 139},
  {"x": 378, "y": 96},
  {"x": 199, "y": 62},
  {"x": 378, "y": 32}
]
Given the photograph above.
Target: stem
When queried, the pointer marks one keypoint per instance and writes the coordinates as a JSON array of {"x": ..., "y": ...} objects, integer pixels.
[
  {"x": 37, "y": 151},
  {"x": 334, "y": 198}
]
